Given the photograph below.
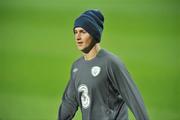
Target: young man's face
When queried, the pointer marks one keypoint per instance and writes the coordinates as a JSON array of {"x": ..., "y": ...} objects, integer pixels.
[{"x": 83, "y": 38}]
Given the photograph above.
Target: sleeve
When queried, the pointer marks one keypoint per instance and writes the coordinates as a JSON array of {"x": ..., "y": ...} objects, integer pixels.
[
  {"x": 127, "y": 89},
  {"x": 69, "y": 103}
]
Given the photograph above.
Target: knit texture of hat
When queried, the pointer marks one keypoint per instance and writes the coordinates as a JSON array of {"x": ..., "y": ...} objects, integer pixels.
[{"x": 91, "y": 21}]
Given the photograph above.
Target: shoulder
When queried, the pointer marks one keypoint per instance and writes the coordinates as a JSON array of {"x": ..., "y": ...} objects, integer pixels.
[
  {"x": 112, "y": 59},
  {"x": 114, "y": 64},
  {"x": 76, "y": 63}
]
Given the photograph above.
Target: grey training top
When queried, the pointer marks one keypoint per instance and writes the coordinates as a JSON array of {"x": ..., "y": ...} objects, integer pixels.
[{"x": 103, "y": 89}]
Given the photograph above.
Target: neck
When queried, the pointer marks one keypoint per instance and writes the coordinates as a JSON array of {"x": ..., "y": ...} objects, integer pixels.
[{"x": 92, "y": 53}]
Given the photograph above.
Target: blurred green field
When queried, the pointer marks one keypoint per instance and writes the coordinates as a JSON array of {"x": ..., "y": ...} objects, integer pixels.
[{"x": 37, "y": 49}]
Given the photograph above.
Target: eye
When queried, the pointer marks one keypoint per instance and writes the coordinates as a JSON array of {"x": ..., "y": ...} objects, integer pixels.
[
  {"x": 84, "y": 31},
  {"x": 75, "y": 32}
]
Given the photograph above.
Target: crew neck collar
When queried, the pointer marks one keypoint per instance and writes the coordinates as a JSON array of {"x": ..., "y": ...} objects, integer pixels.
[{"x": 93, "y": 59}]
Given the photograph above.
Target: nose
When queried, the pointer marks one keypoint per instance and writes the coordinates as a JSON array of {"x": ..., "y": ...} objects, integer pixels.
[{"x": 78, "y": 36}]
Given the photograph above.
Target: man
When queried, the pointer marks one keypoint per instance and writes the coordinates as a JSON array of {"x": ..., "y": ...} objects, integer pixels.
[{"x": 99, "y": 84}]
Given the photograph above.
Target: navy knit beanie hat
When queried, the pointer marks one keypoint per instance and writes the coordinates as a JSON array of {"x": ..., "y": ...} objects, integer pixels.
[{"x": 91, "y": 21}]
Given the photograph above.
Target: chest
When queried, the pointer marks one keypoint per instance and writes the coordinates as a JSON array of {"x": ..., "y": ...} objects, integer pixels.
[{"x": 93, "y": 76}]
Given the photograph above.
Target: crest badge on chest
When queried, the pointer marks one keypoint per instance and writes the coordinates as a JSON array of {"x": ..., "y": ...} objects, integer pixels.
[{"x": 95, "y": 70}]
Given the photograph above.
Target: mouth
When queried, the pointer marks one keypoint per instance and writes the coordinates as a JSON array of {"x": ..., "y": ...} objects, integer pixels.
[{"x": 79, "y": 43}]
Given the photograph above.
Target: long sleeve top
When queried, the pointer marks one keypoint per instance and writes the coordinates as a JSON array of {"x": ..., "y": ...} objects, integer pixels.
[{"x": 103, "y": 89}]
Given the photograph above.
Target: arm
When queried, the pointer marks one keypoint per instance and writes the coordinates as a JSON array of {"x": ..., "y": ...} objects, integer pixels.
[
  {"x": 69, "y": 103},
  {"x": 127, "y": 89}
]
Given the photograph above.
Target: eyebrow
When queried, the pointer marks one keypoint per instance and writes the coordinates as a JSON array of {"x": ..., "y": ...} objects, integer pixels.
[{"x": 81, "y": 30}]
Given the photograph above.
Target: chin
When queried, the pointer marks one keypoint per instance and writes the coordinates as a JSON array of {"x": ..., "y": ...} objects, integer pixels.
[{"x": 80, "y": 48}]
